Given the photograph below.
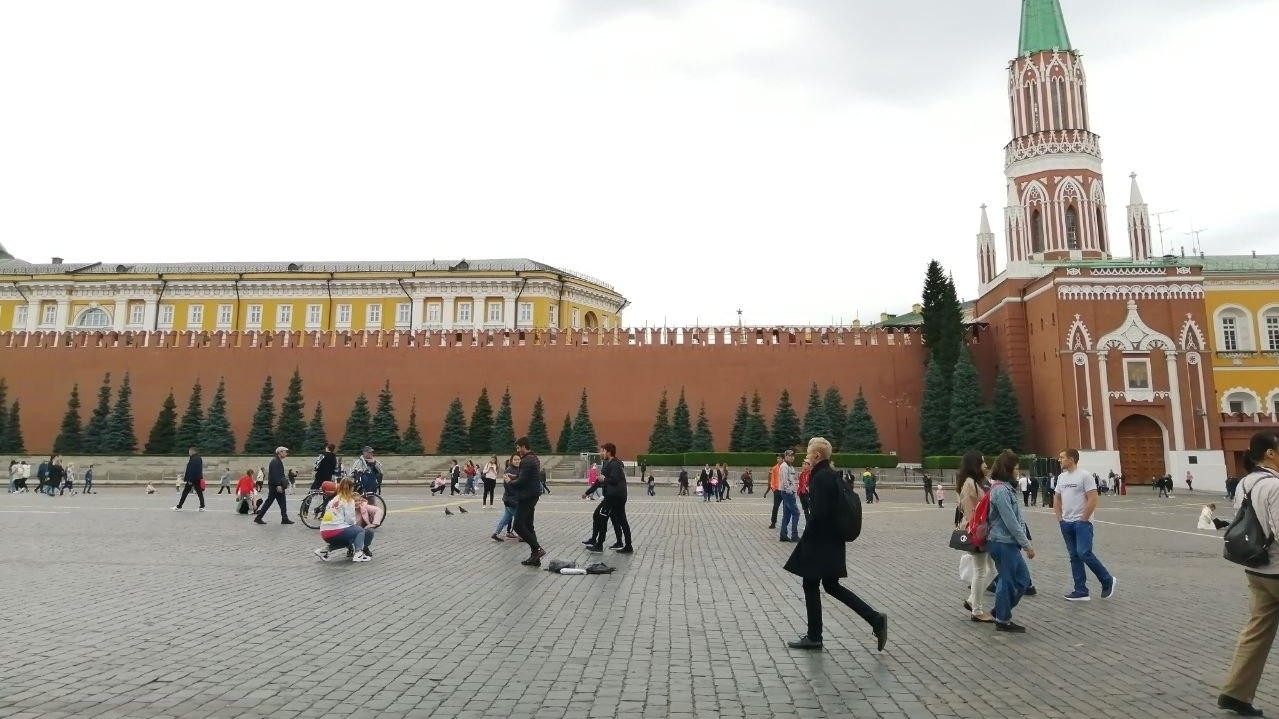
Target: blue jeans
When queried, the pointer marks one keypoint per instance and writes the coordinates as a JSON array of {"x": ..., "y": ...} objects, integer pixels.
[
  {"x": 508, "y": 516},
  {"x": 1014, "y": 578},
  {"x": 790, "y": 515},
  {"x": 356, "y": 537},
  {"x": 1078, "y": 536}
]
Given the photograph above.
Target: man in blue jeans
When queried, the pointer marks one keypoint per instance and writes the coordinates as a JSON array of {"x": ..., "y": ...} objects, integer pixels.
[{"x": 1077, "y": 500}]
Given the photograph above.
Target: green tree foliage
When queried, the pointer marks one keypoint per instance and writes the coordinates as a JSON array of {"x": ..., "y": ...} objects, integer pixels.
[
  {"x": 261, "y": 437},
  {"x": 216, "y": 437},
  {"x": 503, "y": 439},
  {"x": 359, "y": 425},
  {"x": 860, "y": 433},
  {"x": 160, "y": 440},
  {"x": 291, "y": 430},
  {"x": 741, "y": 420},
  {"x": 539, "y": 436},
  {"x": 316, "y": 438},
  {"x": 453, "y": 436},
  {"x": 757, "y": 438},
  {"x": 582, "y": 438},
  {"x": 786, "y": 430},
  {"x": 703, "y": 440},
  {"x": 566, "y": 436},
  {"x": 4, "y": 402},
  {"x": 659, "y": 440},
  {"x": 681, "y": 425},
  {"x": 117, "y": 435},
  {"x": 836, "y": 416},
  {"x": 943, "y": 320},
  {"x": 384, "y": 431},
  {"x": 11, "y": 441},
  {"x": 969, "y": 418},
  {"x": 98, "y": 418},
  {"x": 481, "y": 431},
  {"x": 191, "y": 428},
  {"x": 411, "y": 443},
  {"x": 70, "y": 438},
  {"x": 1008, "y": 430},
  {"x": 816, "y": 421},
  {"x": 934, "y": 412}
]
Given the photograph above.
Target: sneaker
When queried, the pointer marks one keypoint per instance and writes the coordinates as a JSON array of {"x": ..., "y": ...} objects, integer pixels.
[
  {"x": 805, "y": 642},
  {"x": 361, "y": 557},
  {"x": 201, "y": 509},
  {"x": 1078, "y": 597},
  {"x": 1237, "y": 706},
  {"x": 323, "y": 554},
  {"x": 880, "y": 629},
  {"x": 626, "y": 550},
  {"x": 1031, "y": 591},
  {"x": 286, "y": 520},
  {"x": 1108, "y": 592},
  {"x": 1009, "y": 627},
  {"x": 176, "y": 508}
]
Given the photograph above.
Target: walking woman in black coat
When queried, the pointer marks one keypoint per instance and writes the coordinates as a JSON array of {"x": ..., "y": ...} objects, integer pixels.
[{"x": 819, "y": 555}]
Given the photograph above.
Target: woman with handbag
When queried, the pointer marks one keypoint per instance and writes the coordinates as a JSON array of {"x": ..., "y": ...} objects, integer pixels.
[
  {"x": 971, "y": 485},
  {"x": 1261, "y": 494},
  {"x": 1006, "y": 541}
]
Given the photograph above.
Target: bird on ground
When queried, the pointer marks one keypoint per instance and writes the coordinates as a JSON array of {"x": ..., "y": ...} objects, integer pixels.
[
  {"x": 462, "y": 510},
  {"x": 447, "y": 512}
]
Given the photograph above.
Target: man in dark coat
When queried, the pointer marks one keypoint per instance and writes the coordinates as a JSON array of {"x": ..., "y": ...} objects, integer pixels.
[
  {"x": 277, "y": 483},
  {"x": 191, "y": 478},
  {"x": 526, "y": 490},
  {"x": 613, "y": 478},
  {"x": 819, "y": 555}
]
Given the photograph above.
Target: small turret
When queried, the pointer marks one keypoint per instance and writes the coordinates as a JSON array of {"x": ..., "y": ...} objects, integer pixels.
[
  {"x": 985, "y": 250},
  {"x": 1138, "y": 223}
]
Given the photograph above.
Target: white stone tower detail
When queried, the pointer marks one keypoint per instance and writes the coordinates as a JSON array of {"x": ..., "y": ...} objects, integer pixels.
[
  {"x": 985, "y": 250},
  {"x": 1138, "y": 223}
]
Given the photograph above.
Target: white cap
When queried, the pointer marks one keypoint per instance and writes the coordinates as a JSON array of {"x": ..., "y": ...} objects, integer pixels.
[{"x": 281, "y": 449}]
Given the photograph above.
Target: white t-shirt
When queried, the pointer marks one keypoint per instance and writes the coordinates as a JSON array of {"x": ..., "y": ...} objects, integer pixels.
[{"x": 1073, "y": 488}]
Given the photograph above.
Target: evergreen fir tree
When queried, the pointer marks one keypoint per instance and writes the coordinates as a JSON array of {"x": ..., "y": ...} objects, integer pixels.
[
  {"x": 117, "y": 435},
  {"x": 359, "y": 425},
  {"x": 1008, "y": 430},
  {"x": 384, "y": 432},
  {"x": 860, "y": 433},
  {"x": 261, "y": 437},
  {"x": 503, "y": 439},
  {"x": 757, "y": 438},
  {"x": 659, "y": 440},
  {"x": 411, "y": 442},
  {"x": 816, "y": 421},
  {"x": 316, "y": 438},
  {"x": 566, "y": 435},
  {"x": 539, "y": 436},
  {"x": 943, "y": 323},
  {"x": 582, "y": 436},
  {"x": 216, "y": 437},
  {"x": 934, "y": 412},
  {"x": 968, "y": 415},
  {"x": 291, "y": 430},
  {"x": 160, "y": 441},
  {"x": 70, "y": 435},
  {"x": 98, "y": 419},
  {"x": 703, "y": 440},
  {"x": 480, "y": 436},
  {"x": 4, "y": 402},
  {"x": 786, "y": 430},
  {"x": 681, "y": 426},
  {"x": 11, "y": 441},
  {"x": 191, "y": 429},
  {"x": 836, "y": 416},
  {"x": 741, "y": 420},
  {"x": 453, "y": 435}
]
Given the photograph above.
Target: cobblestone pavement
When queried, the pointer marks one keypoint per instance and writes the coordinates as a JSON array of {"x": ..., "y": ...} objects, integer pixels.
[{"x": 116, "y": 606}]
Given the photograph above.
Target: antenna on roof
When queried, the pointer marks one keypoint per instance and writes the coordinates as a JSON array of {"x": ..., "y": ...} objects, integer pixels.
[
  {"x": 1159, "y": 221},
  {"x": 1195, "y": 247}
]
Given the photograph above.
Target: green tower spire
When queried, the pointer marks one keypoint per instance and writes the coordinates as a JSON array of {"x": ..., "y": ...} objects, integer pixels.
[{"x": 1042, "y": 27}]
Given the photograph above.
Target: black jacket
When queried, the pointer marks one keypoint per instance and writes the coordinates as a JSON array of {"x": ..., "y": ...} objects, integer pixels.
[
  {"x": 527, "y": 486},
  {"x": 820, "y": 551},
  {"x": 613, "y": 479},
  {"x": 275, "y": 473},
  {"x": 327, "y": 466},
  {"x": 195, "y": 469}
]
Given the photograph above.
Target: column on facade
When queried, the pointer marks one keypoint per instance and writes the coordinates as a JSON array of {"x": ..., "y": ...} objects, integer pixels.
[
  {"x": 61, "y": 319},
  {"x": 448, "y": 312},
  {"x": 509, "y": 318},
  {"x": 419, "y": 307},
  {"x": 1174, "y": 401},
  {"x": 33, "y": 314},
  {"x": 120, "y": 315},
  {"x": 479, "y": 312},
  {"x": 150, "y": 306},
  {"x": 1103, "y": 375}
]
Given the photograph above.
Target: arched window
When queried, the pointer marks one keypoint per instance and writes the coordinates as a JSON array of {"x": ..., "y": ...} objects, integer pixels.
[
  {"x": 1234, "y": 331},
  {"x": 93, "y": 317},
  {"x": 1072, "y": 228},
  {"x": 1270, "y": 328},
  {"x": 1101, "y": 229},
  {"x": 1036, "y": 231},
  {"x": 1241, "y": 403}
]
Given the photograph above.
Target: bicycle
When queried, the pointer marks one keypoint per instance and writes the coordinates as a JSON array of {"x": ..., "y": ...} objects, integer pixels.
[{"x": 311, "y": 508}]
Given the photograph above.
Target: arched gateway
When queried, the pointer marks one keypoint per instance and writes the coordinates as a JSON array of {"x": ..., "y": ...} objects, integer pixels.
[{"x": 1141, "y": 449}]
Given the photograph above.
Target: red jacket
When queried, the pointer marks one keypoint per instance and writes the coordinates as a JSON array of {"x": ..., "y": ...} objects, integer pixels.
[{"x": 804, "y": 474}]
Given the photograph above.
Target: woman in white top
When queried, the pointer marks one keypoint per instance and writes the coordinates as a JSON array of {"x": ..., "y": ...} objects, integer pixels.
[
  {"x": 490, "y": 481},
  {"x": 341, "y": 525}
]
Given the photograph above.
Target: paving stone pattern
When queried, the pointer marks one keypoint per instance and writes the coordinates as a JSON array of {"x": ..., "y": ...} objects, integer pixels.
[{"x": 116, "y": 606}]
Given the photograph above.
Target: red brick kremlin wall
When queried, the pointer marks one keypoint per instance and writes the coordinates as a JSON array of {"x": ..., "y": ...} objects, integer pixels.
[{"x": 623, "y": 371}]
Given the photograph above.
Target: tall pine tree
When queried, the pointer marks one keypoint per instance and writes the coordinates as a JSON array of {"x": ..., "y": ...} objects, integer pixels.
[
  {"x": 969, "y": 419},
  {"x": 359, "y": 425},
  {"x": 216, "y": 437},
  {"x": 291, "y": 430},
  {"x": 836, "y": 415},
  {"x": 261, "y": 437},
  {"x": 480, "y": 435},
  {"x": 1008, "y": 430},
  {"x": 757, "y": 438},
  {"x": 384, "y": 432},
  {"x": 191, "y": 429},
  {"x": 453, "y": 436},
  {"x": 98, "y": 418},
  {"x": 69, "y": 439},
  {"x": 741, "y": 420},
  {"x": 316, "y": 438},
  {"x": 786, "y": 430},
  {"x": 4, "y": 402},
  {"x": 503, "y": 439},
  {"x": 582, "y": 437},
  {"x": 681, "y": 425},
  {"x": 934, "y": 412},
  {"x": 539, "y": 436},
  {"x": 659, "y": 439},
  {"x": 703, "y": 440},
  {"x": 160, "y": 440},
  {"x": 566, "y": 436},
  {"x": 11, "y": 441},
  {"x": 816, "y": 421},
  {"x": 943, "y": 322},
  {"x": 860, "y": 432},
  {"x": 411, "y": 442},
  {"x": 118, "y": 436}
]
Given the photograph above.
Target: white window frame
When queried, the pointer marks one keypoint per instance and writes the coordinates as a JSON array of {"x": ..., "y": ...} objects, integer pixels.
[
  {"x": 1274, "y": 406},
  {"x": 464, "y": 311},
  {"x": 373, "y": 316},
  {"x": 253, "y": 317},
  {"x": 554, "y": 319},
  {"x": 20, "y": 314},
  {"x": 575, "y": 318},
  {"x": 434, "y": 313},
  {"x": 137, "y": 314},
  {"x": 1269, "y": 325},
  {"x": 403, "y": 314},
  {"x": 94, "y": 311},
  {"x": 495, "y": 312},
  {"x": 314, "y": 316},
  {"x": 48, "y": 314},
  {"x": 284, "y": 317},
  {"x": 1235, "y": 335},
  {"x": 1140, "y": 394},
  {"x": 195, "y": 317},
  {"x": 226, "y": 316},
  {"x": 1230, "y": 333},
  {"x": 1241, "y": 402},
  {"x": 164, "y": 316},
  {"x": 526, "y": 313},
  {"x": 344, "y": 316}
]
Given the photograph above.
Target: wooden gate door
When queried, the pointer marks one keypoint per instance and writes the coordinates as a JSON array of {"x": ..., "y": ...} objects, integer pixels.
[{"x": 1141, "y": 449}]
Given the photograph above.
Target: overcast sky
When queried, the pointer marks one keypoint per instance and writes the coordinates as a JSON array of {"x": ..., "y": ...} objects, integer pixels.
[{"x": 800, "y": 160}]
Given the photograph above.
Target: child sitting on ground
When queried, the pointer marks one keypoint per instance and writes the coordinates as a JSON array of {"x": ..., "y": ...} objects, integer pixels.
[{"x": 1208, "y": 521}]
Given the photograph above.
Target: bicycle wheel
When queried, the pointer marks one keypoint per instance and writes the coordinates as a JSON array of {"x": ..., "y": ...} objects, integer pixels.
[
  {"x": 311, "y": 509},
  {"x": 376, "y": 500}
]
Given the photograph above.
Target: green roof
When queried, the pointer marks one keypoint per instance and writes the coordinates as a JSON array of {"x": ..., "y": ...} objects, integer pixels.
[{"x": 1042, "y": 27}]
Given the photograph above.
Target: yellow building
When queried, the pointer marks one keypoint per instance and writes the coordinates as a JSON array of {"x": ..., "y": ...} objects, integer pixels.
[{"x": 238, "y": 296}]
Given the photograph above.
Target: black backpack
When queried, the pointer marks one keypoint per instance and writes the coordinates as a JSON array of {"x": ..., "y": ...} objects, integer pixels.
[
  {"x": 848, "y": 512},
  {"x": 1247, "y": 542}
]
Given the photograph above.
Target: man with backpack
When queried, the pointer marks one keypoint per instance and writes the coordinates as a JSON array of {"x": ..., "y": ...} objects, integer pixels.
[{"x": 818, "y": 557}]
